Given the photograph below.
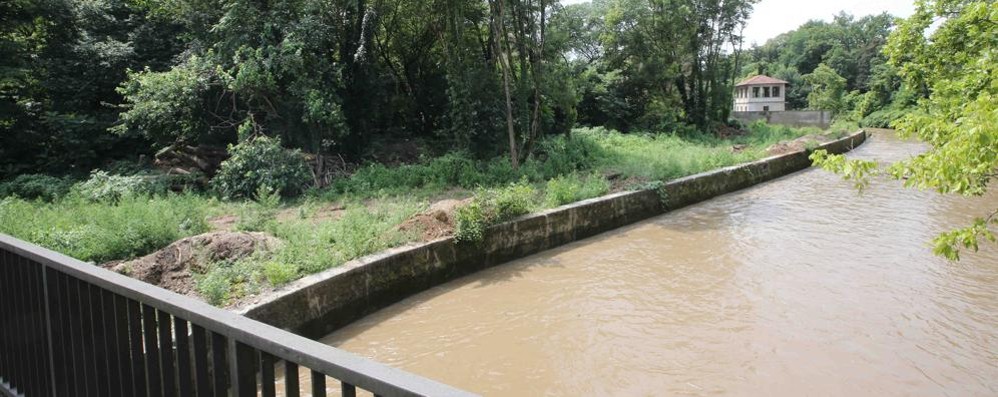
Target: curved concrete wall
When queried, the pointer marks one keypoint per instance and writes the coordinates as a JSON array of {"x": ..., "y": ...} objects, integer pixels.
[{"x": 321, "y": 303}]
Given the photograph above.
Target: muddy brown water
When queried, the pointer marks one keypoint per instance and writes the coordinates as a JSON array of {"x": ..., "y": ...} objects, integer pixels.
[{"x": 795, "y": 287}]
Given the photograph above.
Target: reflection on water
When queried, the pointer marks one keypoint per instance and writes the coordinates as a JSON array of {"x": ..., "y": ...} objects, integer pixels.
[{"x": 795, "y": 287}]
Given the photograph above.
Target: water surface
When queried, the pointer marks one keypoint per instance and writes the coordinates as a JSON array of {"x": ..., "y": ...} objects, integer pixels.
[{"x": 795, "y": 287}]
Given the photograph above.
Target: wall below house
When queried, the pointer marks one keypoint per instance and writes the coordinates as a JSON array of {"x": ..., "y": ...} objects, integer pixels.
[
  {"x": 793, "y": 118},
  {"x": 777, "y": 105}
]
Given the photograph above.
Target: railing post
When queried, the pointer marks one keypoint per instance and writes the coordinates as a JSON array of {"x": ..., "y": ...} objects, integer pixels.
[
  {"x": 49, "y": 281},
  {"x": 242, "y": 368}
]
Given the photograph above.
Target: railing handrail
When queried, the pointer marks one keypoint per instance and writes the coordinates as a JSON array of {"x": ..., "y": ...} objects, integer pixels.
[{"x": 372, "y": 376}]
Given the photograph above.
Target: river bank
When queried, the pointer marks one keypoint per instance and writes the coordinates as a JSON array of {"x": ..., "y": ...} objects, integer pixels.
[
  {"x": 375, "y": 209},
  {"x": 798, "y": 286}
]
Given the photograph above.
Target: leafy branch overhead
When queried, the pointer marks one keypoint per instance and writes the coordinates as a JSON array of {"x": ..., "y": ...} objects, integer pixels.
[{"x": 958, "y": 119}]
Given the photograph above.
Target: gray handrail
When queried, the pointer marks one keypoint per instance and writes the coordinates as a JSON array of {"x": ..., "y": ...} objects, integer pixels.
[{"x": 378, "y": 378}]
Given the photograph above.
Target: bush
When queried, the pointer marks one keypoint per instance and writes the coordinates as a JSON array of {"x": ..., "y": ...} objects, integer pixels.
[
  {"x": 225, "y": 281},
  {"x": 213, "y": 287},
  {"x": 278, "y": 273},
  {"x": 492, "y": 206},
  {"x": 573, "y": 187},
  {"x": 108, "y": 188},
  {"x": 261, "y": 162},
  {"x": 36, "y": 186}
]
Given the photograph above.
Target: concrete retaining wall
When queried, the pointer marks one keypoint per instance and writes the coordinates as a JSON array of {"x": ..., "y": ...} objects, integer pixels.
[
  {"x": 793, "y": 118},
  {"x": 321, "y": 303}
]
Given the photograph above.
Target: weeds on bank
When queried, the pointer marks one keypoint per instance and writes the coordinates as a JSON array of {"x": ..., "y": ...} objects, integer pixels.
[
  {"x": 492, "y": 206},
  {"x": 309, "y": 247},
  {"x": 120, "y": 217},
  {"x": 574, "y": 187},
  {"x": 102, "y": 231}
]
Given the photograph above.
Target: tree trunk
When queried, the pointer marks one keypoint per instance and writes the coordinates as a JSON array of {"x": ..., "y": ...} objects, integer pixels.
[{"x": 502, "y": 57}]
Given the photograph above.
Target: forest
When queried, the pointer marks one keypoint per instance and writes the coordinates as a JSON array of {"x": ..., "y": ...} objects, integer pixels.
[
  {"x": 330, "y": 125},
  {"x": 88, "y": 83}
]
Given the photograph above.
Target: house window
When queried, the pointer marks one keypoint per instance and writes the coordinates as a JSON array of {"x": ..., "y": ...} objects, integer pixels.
[
  {"x": 776, "y": 92},
  {"x": 765, "y": 108},
  {"x": 755, "y": 92},
  {"x": 765, "y": 92}
]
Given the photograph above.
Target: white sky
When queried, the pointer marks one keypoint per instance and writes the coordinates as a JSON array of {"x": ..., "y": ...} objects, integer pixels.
[{"x": 772, "y": 17}]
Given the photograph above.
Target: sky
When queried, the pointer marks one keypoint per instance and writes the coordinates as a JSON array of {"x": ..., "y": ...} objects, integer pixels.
[{"x": 772, "y": 17}]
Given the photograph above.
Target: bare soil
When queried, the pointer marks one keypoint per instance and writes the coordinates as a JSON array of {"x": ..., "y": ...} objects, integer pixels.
[
  {"x": 173, "y": 267},
  {"x": 326, "y": 213},
  {"x": 437, "y": 221}
]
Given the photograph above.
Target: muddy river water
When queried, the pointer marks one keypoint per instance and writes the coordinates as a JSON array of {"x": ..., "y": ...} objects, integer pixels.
[{"x": 800, "y": 286}]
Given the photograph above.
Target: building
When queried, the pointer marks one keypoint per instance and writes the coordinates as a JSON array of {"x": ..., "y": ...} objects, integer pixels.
[{"x": 760, "y": 94}]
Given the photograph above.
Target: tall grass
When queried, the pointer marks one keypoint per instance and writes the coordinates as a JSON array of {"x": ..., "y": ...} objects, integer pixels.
[
  {"x": 309, "y": 247},
  {"x": 647, "y": 155},
  {"x": 378, "y": 198},
  {"x": 103, "y": 231}
]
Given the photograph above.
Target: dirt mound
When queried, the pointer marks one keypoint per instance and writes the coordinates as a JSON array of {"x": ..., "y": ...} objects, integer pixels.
[
  {"x": 798, "y": 144},
  {"x": 438, "y": 221},
  {"x": 172, "y": 267}
]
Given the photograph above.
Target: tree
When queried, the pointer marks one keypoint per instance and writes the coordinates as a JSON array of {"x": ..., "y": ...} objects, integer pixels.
[
  {"x": 827, "y": 89},
  {"x": 959, "y": 117}
]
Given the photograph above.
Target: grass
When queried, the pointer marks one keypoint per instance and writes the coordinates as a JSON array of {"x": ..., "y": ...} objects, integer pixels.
[
  {"x": 100, "y": 231},
  {"x": 374, "y": 201}
]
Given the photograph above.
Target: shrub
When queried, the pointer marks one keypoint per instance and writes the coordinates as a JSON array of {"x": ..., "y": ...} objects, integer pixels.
[
  {"x": 261, "y": 162},
  {"x": 108, "y": 188},
  {"x": 573, "y": 187},
  {"x": 214, "y": 287},
  {"x": 492, "y": 206},
  {"x": 225, "y": 281},
  {"x": 36, "y": 186},
  {"x": 278, "y": 273}
]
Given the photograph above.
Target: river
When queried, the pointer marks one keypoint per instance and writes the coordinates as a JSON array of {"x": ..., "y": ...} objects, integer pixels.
[{"x": 799, "y": 286}]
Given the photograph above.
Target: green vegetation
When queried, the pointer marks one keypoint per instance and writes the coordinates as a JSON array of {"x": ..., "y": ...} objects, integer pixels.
[
  {"x": 104, "y": 187},
  {"x": 126, "y": 125},
  {"x": 261, "y": 163},
  {"x": 838, "y": 66},
  {"x": 492, "y": 206},
  {"x": 574, "y": 187},
  {"x": 36, "y": 186},
  {"x": 104, "y": 231},
  {"x": 113, "y": 217},
  {"x": 85, "y": 83},
  {"x": 959, "y": 118}
]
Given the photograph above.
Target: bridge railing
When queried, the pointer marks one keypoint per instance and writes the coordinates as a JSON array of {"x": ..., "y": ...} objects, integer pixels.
[{"x": 68, "y": 328}]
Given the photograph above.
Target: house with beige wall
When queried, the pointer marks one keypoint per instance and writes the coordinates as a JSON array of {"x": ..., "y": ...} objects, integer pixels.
[{"x": 760, "y": 94}]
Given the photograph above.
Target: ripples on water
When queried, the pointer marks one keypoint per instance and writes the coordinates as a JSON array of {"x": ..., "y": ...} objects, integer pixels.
[{"x": 795, "y": 287}]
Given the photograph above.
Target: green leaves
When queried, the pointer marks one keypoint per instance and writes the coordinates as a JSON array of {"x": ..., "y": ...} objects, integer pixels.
[
  {"x": 858, "y": 171},
  {"x": 493, "y": 206},
  {"x": 827, "y": 89},
  {"x": 959, "y": 117},
  {"x": 948, "y": 244},
  {"x": 261, "y": 163}
]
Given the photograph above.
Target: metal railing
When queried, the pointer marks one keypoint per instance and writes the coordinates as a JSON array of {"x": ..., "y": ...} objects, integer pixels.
[{"x": 68, "y": 328}]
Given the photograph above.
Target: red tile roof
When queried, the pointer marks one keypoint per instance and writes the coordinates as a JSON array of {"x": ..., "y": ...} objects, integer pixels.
[{"x": 760, "y": 79}]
